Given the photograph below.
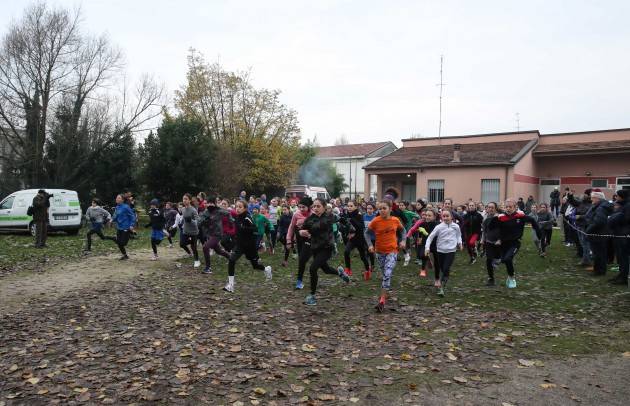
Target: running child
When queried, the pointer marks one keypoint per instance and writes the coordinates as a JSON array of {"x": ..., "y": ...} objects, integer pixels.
[
  {"x": 211, "y": 222},
  {"x": 389, "y": 235},
  {"x": 356, "y": 238},
  {"x": 170, "y": 215},
  {"x": 471, "y": 226},
  {"x": 424, "y": 227},
  {"x": 545, "y": 221},
  {"x": 190, "y": 229},
  {"x": 98, "y": 217},
  {"x": 303, "y": 249},
  {"x": 156, "y": 222},
  {"x": 449, "y": 238},
  {"x": 229, "y": 227},
  {"x": 263, "y": 226},
  {"x": 409, "y": 217},
  {"x": 317, "y": 230},
  {"x": 245, "y": 245},
  {"x": 368, "y": 216},
  {"x": 125, "y": 219},
  {"x": 284, "y": 221},
  {"x": 490, "y": 239}
]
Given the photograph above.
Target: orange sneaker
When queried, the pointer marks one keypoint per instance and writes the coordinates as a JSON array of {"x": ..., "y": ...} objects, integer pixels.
[
  {"x": 348, "y": 271},
  {"x": 423, "y": 273}
]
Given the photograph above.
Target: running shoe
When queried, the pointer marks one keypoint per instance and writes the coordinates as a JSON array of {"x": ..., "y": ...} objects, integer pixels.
[
  {"x": 490, "y": 282},
  {"x": 285, "y": 263},
  {"x": 440, "y": 292},
  {"x": 154, "y": 257},
  {"x": 229, "y": 288},
  {"x": 511, "y": 282},
  {"x": 473, "y": 260},
  {"x": 310, "y": 300},
  {"x": 380, "y": 306},
  {"x": 299, "y": 285},
  {"x": 197, "y": 264},
  {"x": 343, "y": 275},
  {"x": 207, "y": 270},
  {"x": 348, "y": 271},
  {"x": 268, "y": 274},
  {"x": 423, "y": 273},
  {"x": 407, "y": 259},
  {"x": 124, "y": 258}
]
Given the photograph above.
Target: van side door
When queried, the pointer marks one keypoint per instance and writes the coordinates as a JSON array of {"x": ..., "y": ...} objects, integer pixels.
[{"x": 7, "y": 217}]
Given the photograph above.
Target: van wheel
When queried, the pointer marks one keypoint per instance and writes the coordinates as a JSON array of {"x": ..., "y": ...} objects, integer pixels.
[
  {"x": 32, "y": 228},
  {"x": 72, "y": 232}
]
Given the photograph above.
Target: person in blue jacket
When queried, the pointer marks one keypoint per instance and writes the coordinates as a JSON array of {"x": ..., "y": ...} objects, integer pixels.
[{"x": 125, "y": 218}]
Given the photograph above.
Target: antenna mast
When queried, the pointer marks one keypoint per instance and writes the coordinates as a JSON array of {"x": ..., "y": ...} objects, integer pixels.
[
  {"x": 518, "y": 122},
  {"x": 441, "y": 85}
]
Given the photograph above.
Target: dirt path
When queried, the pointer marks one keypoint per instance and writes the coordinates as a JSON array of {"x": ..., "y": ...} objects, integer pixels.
[{"x": 86, "y": 273}]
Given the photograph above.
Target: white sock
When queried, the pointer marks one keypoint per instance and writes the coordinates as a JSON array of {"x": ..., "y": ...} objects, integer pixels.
[{"x": 231, "y": 280}]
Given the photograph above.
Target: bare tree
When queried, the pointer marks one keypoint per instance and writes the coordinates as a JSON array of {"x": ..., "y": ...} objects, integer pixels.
[{"x": 342, "y": 140}]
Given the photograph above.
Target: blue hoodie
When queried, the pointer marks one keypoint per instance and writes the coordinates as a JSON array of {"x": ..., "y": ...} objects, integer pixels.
[{"x": 124, "y": 217}]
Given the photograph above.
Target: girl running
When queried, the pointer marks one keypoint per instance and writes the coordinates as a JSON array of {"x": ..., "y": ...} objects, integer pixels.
[
  {"x": 449, "y": 238},
  {"x": 229, "y": 227},
  {"x": 389, "y": 234},
  {"x": 273, "y": 214},
  {"x": 156, "y": 222},
  {"x": 304, "y": 250},
  {"x": 424, "y": 227},
  {"x": 370, "y": 213},
  {"x": 263, "y": 226},
  {"x": 472, "y": 230},
  {"x": 356, "y": 238},
  {"x": 245, "y": 245},
  {"x": 190, "y": 229},
  {"x": 211, "y": 221},
  {"x": 170, "y": 214},
  {"x": 409, "y": 218},
  {"x": 284, "y": 221},
  {"x": 317, "y": 230},
  {"x": 545, "y": 220},
  {"x": 490, "y": 239},
  {"x": 98, "y": 218},
  {"x": 125, "y": 218}
]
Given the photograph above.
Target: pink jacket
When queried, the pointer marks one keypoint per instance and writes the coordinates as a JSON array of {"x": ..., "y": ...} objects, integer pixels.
[{"x": 296, "y": 221}]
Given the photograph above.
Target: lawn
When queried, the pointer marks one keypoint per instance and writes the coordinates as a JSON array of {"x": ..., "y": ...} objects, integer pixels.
[{"x": 173, "y": 336}]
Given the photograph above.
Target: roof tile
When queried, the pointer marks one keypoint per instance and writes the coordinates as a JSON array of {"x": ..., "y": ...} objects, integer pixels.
[{"x": 349, "y": 149}]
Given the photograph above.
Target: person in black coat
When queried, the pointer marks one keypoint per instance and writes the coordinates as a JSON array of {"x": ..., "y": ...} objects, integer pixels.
[
  {"x": 472, "y": 230},
  {"x": 597, "y": 225},
  {"x": 554, "y": 201},
  {"x": 356, "y": 229},
  {"x": 619, "y": 225},
  {"x": 582, "y": 212}
]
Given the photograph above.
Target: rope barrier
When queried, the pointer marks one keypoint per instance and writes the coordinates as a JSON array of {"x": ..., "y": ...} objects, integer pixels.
[{"x": 594, "y": 235}]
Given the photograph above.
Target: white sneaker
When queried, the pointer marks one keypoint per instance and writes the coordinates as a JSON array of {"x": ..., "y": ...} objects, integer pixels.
[
  {"x": 229, "y": 288},
  {"x": 154, "y": 258},
  {"x": 197, "y": 264},
  {"x": 211, "y": 252},
  {"x": 170, "y": 245},
  {"x": 407, "y": 259},
  {"x": 268, "y": 273}
]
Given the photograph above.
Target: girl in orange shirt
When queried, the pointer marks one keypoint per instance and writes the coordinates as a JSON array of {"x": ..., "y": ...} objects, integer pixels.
[{"x": 389, "y": 235}]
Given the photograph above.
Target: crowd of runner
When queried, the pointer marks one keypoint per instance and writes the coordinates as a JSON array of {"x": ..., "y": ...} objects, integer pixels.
[{"x": 384, "y": 232}]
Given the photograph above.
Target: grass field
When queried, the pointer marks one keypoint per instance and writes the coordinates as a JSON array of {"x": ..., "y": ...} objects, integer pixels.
[{"x": 263, "y": 345}]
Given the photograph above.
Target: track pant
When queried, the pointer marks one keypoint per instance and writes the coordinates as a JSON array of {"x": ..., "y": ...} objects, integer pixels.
[
  {"x": 171, "y": 233},
  {"x": 227, "y": 242},
  {"x": 622, "y": 252},
  {"x": 320, "y": 261},
  {"x": 546, "y": 239},
  {"x": 41, "y": 233},
  {"x": 99, "y": 232},
  {"x": 304, "y": 254},
  {"x": 387, "y": 262},
  {"x": 359, "y": 243},
  {"x": 508, "y": 252},
  {"x": 251, "y": 253},
  {"x": 154, "y": 244},
  {"x": 185, "y": 240},
  {"x": 122, "y": 239},
  {"x": 493, "y": 252},
  {"x": 445, "y": 259},
  {"x": 471, "y": 244},
  {"x": 213, "y": 242}
]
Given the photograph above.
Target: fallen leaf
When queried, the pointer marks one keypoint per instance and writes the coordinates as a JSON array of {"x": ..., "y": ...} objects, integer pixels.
[
  {"x": 308, "y": 348},
  {"x": 547, "y": 385},
  {"x": 233, "y": 330},
  {"x": 354, "y": 400},
  {"x": 260, "y": 391},
  {"x": 451, "y": 356},
  {"x": 626, "y": 354},
  {"x": 526, "y": 363},
  {"x": 460, "y": 379},
  {"x": 406, "y": 357},
  {"x": 326, "y": 396},
  {"x": 186, "y": 352},
  {"x": 235, "y": 348},
  {"x": 33, "y": 381},
  {"x": 297, "y": 388}
]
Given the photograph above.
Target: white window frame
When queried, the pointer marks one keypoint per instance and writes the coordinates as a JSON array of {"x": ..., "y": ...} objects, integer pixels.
[
  {"x": 498, "y": 194},
  {"x": 623, "y": 186},
  {"x": 437, "y": 190},
  {"x": 594, "y": 179}
]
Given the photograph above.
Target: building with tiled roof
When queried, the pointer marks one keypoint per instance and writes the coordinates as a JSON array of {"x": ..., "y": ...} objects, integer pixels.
[
  {"x": 349, "y": 160},
  {"x": 492, "y": 167}
]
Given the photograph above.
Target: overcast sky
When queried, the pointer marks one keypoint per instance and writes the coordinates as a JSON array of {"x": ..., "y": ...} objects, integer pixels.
[{"x": 369, "y": 69}]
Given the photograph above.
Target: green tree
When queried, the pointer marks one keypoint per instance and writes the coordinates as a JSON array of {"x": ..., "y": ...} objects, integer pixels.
[
  {"x": 177, "y": 160},
  {"x": 114, "y": 171}
]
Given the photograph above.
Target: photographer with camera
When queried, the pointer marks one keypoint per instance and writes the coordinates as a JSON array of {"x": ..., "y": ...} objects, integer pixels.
[{"x": 40, "y": 205}]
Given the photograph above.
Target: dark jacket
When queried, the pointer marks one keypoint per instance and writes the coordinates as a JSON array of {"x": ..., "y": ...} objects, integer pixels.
[
  {"x": 545, "y": 220},
  {"x": 490, "y": 230},
  {"x": 619, "y": 221},
  {"x": 321, "y": 229},
  {"x": 472, "y": 223},
  {"x": 555, "y": 197},
  {"x": 41, "y": 203},
  {"x": 582, "y": 207},
  {"x": 156, "y": 219},
  {"x": 211, "y": 221},
  {"x": 598, "y": 218},
  {"x": 283, "y": 223},
  {"x": 169, "y": 217},
  {"x": 357, "y": 227},
  {"x": 245, "y": 230},
  {"x": 511, "y": 225}
]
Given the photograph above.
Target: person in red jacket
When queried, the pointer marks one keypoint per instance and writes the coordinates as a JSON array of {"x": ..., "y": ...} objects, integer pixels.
[
  {"x": 229, "y": 227},
  {"x": 472, "y": 230}
]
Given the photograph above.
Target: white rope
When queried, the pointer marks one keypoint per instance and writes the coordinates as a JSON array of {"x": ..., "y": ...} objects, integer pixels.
[{"x": 594, "y": 235}]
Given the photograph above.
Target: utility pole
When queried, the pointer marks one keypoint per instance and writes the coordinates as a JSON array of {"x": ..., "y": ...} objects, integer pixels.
[
  {"x": 518, "y": 122},
  {"x": 441, "y": 85}
]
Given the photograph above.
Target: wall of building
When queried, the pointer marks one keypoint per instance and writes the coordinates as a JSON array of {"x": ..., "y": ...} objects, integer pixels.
[
  {"x": 523, "y": 179},
  {"x": 477, "y": 139},
  {"x": 592, "y": 136}
]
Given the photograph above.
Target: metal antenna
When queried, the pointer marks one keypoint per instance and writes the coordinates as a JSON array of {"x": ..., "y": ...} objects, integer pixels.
[
  {"x": 518, "y": 122},
  {"x": 441, "y": 85}
]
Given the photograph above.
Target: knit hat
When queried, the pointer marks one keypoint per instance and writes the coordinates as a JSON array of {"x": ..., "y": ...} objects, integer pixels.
[
  {"x": 154, "y": 202},
  {"x": 598, "y": 194}
]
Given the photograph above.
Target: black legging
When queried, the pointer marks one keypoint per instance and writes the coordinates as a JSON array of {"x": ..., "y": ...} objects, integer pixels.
[
  {"x": 213, "y": 242},
  {"x": 546, "y": 239},
  {"x": 508, "y": 252},
  {"x": 154, "y": 244},
  {"x": 320, "y": 260},
  {"x": 445, "y": 259},
  {"x": 304, "y": 254},
  {"x": 250, "y": 252},
  {"x": 185, "y": 240},
  {"x": 98, "y": 232},
  {"x": 492, "y": 253},
  {"x": 122, "y": 239},
  {"x": 359, "y": 243}
]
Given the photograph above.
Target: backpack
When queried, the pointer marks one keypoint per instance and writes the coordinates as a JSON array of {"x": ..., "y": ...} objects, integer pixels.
[{"x": 30, "y": 211}]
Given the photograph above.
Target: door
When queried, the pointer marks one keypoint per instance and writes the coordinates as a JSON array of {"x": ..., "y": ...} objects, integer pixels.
[
  {"x": 7, "y": 217},
  {"x": 546, "y": 187}
]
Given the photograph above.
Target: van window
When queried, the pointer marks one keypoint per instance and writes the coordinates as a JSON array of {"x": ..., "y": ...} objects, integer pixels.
[
  {"x": 8, "y": 203},
  {"x": 321, "y": 195},
  {"x": 21, "y": 202}
]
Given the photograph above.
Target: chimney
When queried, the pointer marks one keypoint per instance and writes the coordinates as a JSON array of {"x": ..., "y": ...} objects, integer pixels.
[{"x": 456, "y": 152}]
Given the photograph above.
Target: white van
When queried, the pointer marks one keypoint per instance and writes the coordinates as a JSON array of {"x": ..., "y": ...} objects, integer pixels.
[
  {"x": 299, "y": 191},
  {"x": 64, "y": 213}
]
